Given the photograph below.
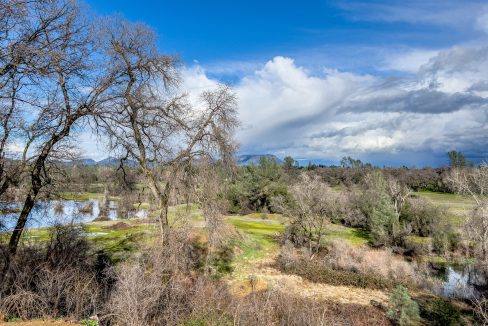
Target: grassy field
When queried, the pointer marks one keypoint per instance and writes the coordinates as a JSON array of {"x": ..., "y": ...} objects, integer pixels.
[
  {"x": 457, "y": 206},
  {"x": 258, "y": 238}
]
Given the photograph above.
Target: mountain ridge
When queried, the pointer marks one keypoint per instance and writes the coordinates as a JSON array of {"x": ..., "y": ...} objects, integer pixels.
[{"x": 242, "y": 159}]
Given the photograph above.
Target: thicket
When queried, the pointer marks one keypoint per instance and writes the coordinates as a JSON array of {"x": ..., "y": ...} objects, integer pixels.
[
  {"x": 392, "y": 213},
  {"x": 164, "y": 284},
  {"x": 61, "y": 277},
  {"x": 428, "y": 179},
  {"x": 403, "y": 310},
  {"x": 255, "y": 186}
]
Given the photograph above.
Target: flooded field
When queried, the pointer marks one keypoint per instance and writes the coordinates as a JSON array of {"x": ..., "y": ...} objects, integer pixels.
[{"x": 48, "y": 213}]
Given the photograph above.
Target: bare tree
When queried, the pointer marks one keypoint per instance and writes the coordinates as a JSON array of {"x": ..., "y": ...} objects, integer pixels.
[
  {"x": 398, "y": 193},
  {"x": 473, "y": 182},
  {"x": 151, "y": 122},
  {"x": 209, "y": 194},
  {"x": 470, "y": 181},
  {"x": 22, "y": 59},
  {"x": 481, "y": 309},
  {"x": 59, "y": 87},
  {"x": 312, "y": 207}
]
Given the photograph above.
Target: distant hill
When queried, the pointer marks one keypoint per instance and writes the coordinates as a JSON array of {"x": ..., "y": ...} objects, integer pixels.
[
  {"x": 109, "y": 161},
  {"x": 83, "y": 161},
  {"x": 246, "y": 159}
]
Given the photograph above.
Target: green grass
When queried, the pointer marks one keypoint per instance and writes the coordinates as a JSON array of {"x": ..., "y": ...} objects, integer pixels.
[
  {"x": 120, "y": 243},
  {"x": 80, "y": 196},
  {"x": 354, "y": 236},
  {"x": 260, "y": 235},
  {"x": 125, "y": 240},
  {"x": 259, "y": 238},
  {"x": 103, "y": 236},
  {"x": 258, "y": 231},
  {"x": 456, "y": 204}
]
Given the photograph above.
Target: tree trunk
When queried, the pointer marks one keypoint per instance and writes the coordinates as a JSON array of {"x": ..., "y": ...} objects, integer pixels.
[
  {"x": 163, "y": 215},
  {"x": 17, "y": 232},
  {"x": 30, "y": 200}
]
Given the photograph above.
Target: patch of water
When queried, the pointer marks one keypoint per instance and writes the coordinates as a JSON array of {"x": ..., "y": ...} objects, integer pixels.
[
  {"x": 48, "y": 213},
  {"x": 463, "y": 284}
]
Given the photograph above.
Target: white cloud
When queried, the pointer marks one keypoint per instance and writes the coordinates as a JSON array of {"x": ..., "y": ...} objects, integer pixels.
[
  {"x": 92, "y": 146},
  {"x": 287, "y": 110},
  {"x": 409, "y": 61},
  {"x": 482, "y": 20},
  {"x": 452, "y": 13},
  {"x": 15, "y": 148}
]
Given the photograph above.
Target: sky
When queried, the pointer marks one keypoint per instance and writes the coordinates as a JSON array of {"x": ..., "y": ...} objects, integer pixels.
[{"x": 390, "y": 82}]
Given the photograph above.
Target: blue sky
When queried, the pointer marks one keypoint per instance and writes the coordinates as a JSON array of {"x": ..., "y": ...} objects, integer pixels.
[
  {"x": 392, "y": 82},
  {"x": 335, "y": 33}
]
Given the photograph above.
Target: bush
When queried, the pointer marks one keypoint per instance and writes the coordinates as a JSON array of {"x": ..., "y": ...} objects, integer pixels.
[
  {"x": 352, "y": 204},
  {"x": 444, "y": 241},
  {"x": 311, "y": 207},
  {"x": 345, "y": 264},
  {"x": 380, "y": 262},
  {"x": 403, "y": 309},
  {"x": 439, "y": 311},
  {"x": 221, "y": 261},
  {"x": 295, "y": 262},
  {"x": 154, "y": 290},
  {"x": 422, "y": 216},
  {"x": 382, "y": 222},
  {"x": 255, "y": 186},
  {"x": 418, "y": 246},
  {"x": 277, "y": 308},
  {"x": 376, "y": 204},
  {"x": 61, "y": 278}
]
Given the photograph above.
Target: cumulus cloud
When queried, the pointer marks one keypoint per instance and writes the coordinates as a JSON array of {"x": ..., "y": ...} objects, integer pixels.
[{"x": 287, "y": 110}]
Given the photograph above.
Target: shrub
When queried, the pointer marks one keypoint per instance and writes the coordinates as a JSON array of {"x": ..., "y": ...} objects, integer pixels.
[
  {"x": 403, "y": 309},
  {"x": 351, "y": 201},
  {"x": 221, "y": 261},
  {"x": 255, "y": 186},
  {"x": 58, "y": 279},
  {"x": 149, "y": 292},
  {"x": 444, "y": 241},
  {"x": 311, "y": 208},
  {"x": 89, "y": 322},
  {"x": 439, "y": 311},
  {"x": 380, "y": 262},
  {"x": 383, "y": 222},
  {"x": 418, "y": 245},
  {"x": 273, "y": 307},
  {"x": 422, "y": 216},
  {"x": 377, "y": 205},
  {"x": 295, "y": 262}
]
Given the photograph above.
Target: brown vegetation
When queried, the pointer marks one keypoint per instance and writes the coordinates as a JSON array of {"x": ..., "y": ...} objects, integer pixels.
[{"x": 345, "y": 264}]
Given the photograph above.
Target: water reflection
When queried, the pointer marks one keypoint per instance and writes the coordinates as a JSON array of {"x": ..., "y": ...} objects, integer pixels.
[
  {"x": 48, "y": 213},
  {"x": 465, "y": 283}
]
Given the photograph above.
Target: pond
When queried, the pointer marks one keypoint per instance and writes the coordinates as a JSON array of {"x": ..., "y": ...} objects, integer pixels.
[
  {"x": 464, "y": 283},
  {"x": 51, "y": 212}
]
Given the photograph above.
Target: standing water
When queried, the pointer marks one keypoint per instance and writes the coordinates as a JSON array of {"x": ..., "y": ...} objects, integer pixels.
[
  {"x": 51, "y": 212},
  {"x": 464, "y": 284}
]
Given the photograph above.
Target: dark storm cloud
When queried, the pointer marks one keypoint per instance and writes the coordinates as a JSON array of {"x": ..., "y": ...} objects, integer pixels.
[{"x": 419, "y": 101}]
